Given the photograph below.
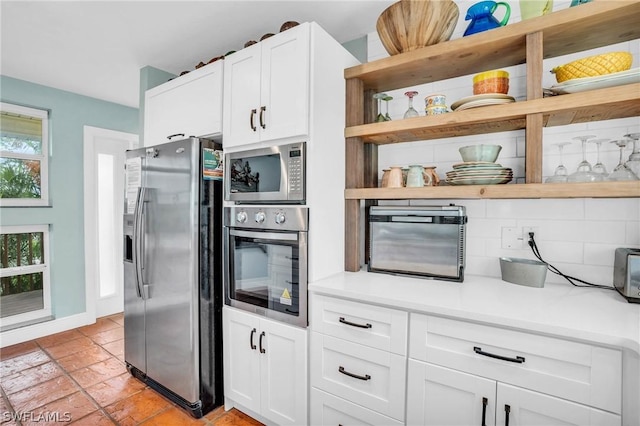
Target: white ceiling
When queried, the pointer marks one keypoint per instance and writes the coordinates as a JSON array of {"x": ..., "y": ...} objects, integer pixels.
[{"x": 97, "y": 48}]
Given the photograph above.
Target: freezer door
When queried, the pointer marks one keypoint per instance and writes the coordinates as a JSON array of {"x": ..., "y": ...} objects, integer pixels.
[
  {"x": 134, "y": 333},
  {"x": 171, "y": 263}
]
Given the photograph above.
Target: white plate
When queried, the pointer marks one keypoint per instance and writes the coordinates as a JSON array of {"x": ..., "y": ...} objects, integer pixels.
[
  {"x": 479, "y": 181},
  {"x": 483, "y": 102},
  {"x": 483, "y": 97},
  {"x": 476, "y": 164},
  {"x": 597, "y": 82}
]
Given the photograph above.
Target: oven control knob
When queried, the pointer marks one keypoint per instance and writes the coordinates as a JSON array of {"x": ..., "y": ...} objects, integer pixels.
[
  {"x": 260, "y": 217},
  {"x": 241, "y": 217},
  {"x": 280, "y": 218}
]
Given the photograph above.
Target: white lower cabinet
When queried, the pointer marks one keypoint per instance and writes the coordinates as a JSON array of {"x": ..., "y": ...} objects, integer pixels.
[
  {"x": 265, "y": 367},
  {"x": 441, "y": 396},
  {"x": 328, "y": 409}
]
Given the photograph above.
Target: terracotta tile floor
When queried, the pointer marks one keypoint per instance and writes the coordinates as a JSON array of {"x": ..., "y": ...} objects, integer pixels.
[{"x": 79, "y": 377}]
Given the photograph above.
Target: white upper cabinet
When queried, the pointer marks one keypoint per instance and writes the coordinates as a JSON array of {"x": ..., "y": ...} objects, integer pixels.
[
  {"x": 267, "y": 89},
  {"x": 189, "y": 105}
]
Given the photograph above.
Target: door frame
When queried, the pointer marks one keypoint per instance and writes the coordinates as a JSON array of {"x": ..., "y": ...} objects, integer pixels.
[{"x": 91, "y": 134}]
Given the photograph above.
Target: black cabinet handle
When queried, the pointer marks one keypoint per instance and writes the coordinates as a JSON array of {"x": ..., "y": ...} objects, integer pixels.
[
  {"x": 262, "y": 110},
  {"x": 507, "y": 410},
  {"x": 353, "y": 324},
  {"x": 262, "y": 350},
  {"x": 253, "y": 346},
  {"x": 485, "y": 401},
  {"x": 355, "y": 376},
  {"x": 253, "y": 113},
  {"x": 517, "y": 359},
  {"x": 174, "y": 135}
]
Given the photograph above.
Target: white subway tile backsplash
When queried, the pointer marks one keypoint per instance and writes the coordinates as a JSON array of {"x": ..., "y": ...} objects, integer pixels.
[
  {"x": 561, "y": 251},
  {"x": 632, "y": 234},
  {"x": 559, "y": 209},
  {"x": 599, "y": 254},
  {"x": 604, "y": 232},
  {"x": 612, "y": 209},
  {"x": 487, "y": 228},
  {"x": 595, "y": 274}
]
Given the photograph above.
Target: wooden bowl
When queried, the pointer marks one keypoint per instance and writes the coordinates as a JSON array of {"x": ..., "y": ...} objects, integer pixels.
[{"x": 409, "y": 24}]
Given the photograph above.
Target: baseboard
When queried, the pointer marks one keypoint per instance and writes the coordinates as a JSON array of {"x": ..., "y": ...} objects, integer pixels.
[{"x": 35, "y": 331}]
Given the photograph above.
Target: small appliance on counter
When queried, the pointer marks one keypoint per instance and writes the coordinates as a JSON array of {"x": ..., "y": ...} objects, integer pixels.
[
  {"x": 425, "y": 241},
  {"x": 626, "y": 273}
]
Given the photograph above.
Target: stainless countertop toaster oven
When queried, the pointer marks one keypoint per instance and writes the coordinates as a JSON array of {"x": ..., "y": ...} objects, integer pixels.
[
  {"x": 424, "y": 241},
  {"x": 626, "y": 273}
]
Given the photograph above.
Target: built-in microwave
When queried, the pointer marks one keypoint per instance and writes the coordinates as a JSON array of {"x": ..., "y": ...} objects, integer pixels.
[{"x": 266, "y": 175}]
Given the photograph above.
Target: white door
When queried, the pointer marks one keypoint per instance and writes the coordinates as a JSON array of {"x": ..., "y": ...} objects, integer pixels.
[
  {"x": 441, "y": 396},
  {"x": 241, "y": 335},
  {"x": 520, "y": 407},
  {"x": 104, "y": 157},
  {"x": 284, "y": 373}
]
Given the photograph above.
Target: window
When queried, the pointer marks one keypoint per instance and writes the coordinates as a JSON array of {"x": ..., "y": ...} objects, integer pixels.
[
  {"x": 24, "y": 274},
  {"x": 23, "y": 156}
]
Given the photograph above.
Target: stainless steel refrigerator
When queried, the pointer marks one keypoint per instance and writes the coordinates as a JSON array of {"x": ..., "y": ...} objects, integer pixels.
[{"x": 173, "y": 271}]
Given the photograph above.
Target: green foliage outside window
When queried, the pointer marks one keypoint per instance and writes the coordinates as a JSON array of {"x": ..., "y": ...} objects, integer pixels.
[{"x": 21, "y": 250}]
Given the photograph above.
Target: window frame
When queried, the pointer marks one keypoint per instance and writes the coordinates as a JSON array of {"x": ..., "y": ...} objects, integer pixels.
[
  {"x": 43, "y": 267},
  {"x": 43, "y": 157}
]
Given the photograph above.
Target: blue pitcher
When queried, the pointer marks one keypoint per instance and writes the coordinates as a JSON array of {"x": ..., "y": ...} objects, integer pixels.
[{"x": 482, "y": 19}]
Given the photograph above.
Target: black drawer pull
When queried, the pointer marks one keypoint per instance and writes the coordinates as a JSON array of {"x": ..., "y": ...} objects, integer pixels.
[
  {"x": 353, "y": 324},
  {"x": 517, "y": 359},
  {"x": 262, "y": 350},
  {"x": 355, "y": 376},
  {"x": 253, "y": 113}
]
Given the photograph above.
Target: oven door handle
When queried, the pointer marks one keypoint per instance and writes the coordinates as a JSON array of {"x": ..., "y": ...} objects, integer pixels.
[{"x": 266, "y": 236}]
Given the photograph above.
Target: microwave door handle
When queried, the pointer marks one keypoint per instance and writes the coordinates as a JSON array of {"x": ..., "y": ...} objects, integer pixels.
[
  {"x": 272, "y": 236},
  {"x": 412, "y": 219}
]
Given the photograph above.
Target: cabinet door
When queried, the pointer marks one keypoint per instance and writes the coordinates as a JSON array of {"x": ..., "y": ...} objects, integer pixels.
[
  {"x": 440, "y": 396},
  {"x": 191, "y": 105},
  {"x": 241, "y": 358},
  {"x": 283, "y": 373},
  {"x": 242, "y": 97},
  {"x": 520, "y": 407},
  {"x": 327, "y": 409},
  {"x": 285, "y": 84}
]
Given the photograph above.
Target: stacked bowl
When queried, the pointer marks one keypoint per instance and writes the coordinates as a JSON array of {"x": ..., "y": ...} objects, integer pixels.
[{"x": 479, "y": 167}]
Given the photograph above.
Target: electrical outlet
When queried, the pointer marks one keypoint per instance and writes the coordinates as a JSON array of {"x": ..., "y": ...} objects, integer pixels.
[{"x": 525, "y": 234}]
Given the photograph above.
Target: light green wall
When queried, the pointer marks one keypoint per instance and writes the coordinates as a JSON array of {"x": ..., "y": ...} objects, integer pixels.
[
  {"x": 69, "y": 113},
  {"x": 357, "y": 48}
]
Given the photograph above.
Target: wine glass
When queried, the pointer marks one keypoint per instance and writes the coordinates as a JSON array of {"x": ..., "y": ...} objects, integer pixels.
[
  {"x": 634, "y": 159},
  {"x": 386, "y": 99},
  {"x": 411, "y": 111},
  {"x": 380, "y": 96},
  {"x": 584, "y": 172},
  {"x": 560, "y": 174},
  {"x": 622, "y": 172},
  {"x": 599, "y": 167}
]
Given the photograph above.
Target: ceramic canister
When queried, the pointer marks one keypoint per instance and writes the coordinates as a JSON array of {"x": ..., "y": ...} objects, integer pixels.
[
  {"x": 435, "y": 100},
  {"x": 435, "y": 110}
]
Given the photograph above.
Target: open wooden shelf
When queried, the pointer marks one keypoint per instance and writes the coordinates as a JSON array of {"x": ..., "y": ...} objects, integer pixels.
[
  {"x": 530, "y": 190},
  {"x": 575, "y": 29},
  {"x": 596, "y": 105}
]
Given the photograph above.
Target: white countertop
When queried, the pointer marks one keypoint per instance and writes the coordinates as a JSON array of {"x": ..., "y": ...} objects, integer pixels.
[{"x": 594, "y": 315}]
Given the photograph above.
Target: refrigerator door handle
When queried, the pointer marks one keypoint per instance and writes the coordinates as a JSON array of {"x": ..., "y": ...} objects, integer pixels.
[{"x": 138, "y": 236}]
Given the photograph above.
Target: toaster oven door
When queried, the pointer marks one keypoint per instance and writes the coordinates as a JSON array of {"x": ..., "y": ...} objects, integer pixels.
[{"x": 417, "y": 246}]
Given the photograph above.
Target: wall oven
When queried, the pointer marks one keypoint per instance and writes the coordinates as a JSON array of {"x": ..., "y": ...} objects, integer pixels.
[
  {"x": 266, "y": 261},
  {"x": 266, "y": 175}
]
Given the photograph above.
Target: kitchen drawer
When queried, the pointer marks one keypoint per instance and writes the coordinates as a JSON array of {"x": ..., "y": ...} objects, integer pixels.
[
  {"x": 327, "y": 409},
  {"x": 579, "y": 372},
  {"x": 379, "y": 382},
  {"x": 372, "y": 326}
]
